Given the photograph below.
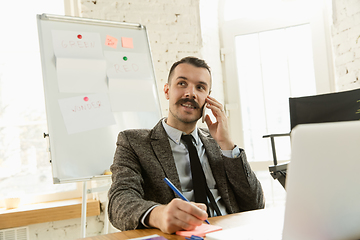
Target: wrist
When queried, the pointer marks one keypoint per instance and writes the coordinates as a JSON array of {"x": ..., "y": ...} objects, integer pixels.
[
  {"x": 152, "y": 218},
  {"x": 227, "y": 145}
]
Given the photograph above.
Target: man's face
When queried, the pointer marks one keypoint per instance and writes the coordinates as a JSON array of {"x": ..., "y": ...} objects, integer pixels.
[{"x": 186, "y": 91}]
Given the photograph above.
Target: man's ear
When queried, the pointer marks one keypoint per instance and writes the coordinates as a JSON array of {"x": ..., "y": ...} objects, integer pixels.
[{"x": 166, "y": 90}]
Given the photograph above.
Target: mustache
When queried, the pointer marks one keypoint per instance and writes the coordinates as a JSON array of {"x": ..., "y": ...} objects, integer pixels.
[{"x": 188, "y": 100}]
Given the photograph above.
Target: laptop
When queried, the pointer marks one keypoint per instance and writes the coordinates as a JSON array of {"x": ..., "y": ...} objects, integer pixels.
[{"x": 323, "y": 186}]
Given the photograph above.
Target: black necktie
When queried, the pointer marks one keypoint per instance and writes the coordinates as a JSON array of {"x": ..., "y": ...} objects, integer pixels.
[{"x": 201, "y": 190}]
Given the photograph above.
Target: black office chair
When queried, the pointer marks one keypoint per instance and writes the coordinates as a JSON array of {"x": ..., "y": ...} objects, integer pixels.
[{"x": 331, "y": 107}]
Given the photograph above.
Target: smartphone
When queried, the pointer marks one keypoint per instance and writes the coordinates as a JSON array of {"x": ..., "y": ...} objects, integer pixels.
[{"x": 203, "y": 114}]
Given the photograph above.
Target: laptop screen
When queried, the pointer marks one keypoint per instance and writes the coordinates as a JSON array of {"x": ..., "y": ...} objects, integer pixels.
[{"x": 323, "y": 182}]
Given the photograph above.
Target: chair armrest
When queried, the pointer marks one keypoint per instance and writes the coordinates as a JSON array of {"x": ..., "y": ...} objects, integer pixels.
[
  {"x": 276, "y": 135},
  {"x": 278, "y": 172},
  {"x": 279, "y": 167},
  {"x": 271, "y": 136}
]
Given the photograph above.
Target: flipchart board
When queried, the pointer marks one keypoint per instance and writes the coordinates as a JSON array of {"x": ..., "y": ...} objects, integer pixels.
[{"x": 98, "y": 80}]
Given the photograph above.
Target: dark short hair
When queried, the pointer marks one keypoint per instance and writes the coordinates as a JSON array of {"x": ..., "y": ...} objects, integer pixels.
[{"x": 196, "y": 62}]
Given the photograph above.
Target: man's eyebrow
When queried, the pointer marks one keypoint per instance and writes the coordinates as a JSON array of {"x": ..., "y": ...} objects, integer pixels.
[
  {"x": 181, "y": 77},
  {"x": 204, "y": 83}
]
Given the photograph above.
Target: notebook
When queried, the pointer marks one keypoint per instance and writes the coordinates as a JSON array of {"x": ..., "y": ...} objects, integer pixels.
[
  {"x": 323, "y": 186},
  {"x": 200, "y": 231}
]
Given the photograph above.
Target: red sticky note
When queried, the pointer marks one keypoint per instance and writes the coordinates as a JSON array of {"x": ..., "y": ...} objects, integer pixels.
[
  {"x": 127, "y": 42},
  {"x": 111, "y": 41},
  {"x": 200, "y": 231}
]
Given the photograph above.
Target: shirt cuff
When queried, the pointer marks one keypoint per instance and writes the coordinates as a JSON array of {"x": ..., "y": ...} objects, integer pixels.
[
  {"x": 145, "y": 215},
  {"x": 231, "y": 153}
]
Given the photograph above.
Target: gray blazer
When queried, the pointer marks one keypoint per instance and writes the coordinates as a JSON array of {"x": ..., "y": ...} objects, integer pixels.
[{"x": 143, "y": 158}]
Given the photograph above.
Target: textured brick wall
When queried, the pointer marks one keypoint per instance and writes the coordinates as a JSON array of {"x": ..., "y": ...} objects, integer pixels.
[
  {"x": 173, "y": 28},
  {"x": 346, "y": 43}
]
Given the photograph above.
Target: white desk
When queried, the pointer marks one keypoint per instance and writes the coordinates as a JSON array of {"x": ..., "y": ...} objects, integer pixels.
[{"x": 267, "y": 221}]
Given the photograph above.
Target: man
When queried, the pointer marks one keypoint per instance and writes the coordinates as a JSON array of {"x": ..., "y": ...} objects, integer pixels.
[{"x": 140, "y": 198}]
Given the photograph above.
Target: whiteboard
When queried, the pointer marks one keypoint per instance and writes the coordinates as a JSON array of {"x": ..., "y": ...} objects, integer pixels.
[{"x": 98, "y": 80}]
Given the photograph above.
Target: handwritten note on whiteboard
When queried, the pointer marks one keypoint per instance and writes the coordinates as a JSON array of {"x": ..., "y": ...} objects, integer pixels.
[
  {"x": 86, "y": 112},
  {"x": 126, "y": 65},
  {"x": 80, "y": 64},
  {"x": 76, "y": 44},
  {"x": 111, "y": 41}
]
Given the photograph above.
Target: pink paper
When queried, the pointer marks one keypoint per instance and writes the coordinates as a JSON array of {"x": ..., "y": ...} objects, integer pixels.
[
  {"x": 111, "y": 41},
  {"x": 127, "y": 42},
  {"x": 200, "y": 231}
]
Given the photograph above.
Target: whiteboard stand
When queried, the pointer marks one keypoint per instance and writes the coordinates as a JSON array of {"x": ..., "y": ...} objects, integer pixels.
[
  {"x": 106, "y": 218},
  {"x": 83, "y": 210},
  {"x": 103, "y": 188},
  {"x": 84, "y": 203}
]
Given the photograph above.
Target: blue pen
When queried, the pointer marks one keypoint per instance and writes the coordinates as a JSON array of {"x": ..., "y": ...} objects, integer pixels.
[{"x": 178, "y": 192}]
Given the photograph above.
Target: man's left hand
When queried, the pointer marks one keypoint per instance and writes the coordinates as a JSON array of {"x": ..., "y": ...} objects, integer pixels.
[{"x": 219, "y": 129}]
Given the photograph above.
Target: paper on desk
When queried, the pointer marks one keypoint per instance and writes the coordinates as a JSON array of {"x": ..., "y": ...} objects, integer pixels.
[
  {"x": 200, "y": 230},
  {"x": 249, "y": 232},
  {"x": 152, "y": 237}
]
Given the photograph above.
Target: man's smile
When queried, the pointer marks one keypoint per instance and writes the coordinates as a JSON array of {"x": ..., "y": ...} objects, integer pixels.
[
  {"x": 188, "y": 103},
  {"x": 188, "y": 106}
]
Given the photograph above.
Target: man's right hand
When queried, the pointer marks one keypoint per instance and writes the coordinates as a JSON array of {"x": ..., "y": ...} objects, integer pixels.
[{"x": 177, "y": 215}]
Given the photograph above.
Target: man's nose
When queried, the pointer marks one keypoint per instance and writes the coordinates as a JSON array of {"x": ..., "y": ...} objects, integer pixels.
[{"x": 190, "y": 92}]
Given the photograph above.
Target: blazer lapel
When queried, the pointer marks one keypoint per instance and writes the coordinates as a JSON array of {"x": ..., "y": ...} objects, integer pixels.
[
  {"x": 215, "y": 159},
  {"x": 163, "y": 152}
]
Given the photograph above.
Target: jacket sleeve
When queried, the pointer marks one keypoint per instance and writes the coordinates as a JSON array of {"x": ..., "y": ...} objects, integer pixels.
[
  {"x": 244, "y": 183},
  {"x": 126, "y": 194}
]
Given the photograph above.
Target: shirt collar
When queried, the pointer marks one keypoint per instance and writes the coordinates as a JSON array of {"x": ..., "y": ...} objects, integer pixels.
[{"x": 175, "y": 134}]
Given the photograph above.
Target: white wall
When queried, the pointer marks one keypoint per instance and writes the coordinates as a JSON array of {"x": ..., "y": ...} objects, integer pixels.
[
  {"x": 346, "y": 43},
  {"x": 174, "y": 32},
  {"x": 210, "y": 50},
  {"x": 66, "y": 229}
]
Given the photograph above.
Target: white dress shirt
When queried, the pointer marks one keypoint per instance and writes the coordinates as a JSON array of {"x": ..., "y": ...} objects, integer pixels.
[{"x": 182, "y": 162}]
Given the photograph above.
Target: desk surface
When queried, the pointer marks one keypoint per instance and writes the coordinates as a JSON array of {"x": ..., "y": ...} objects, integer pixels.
[{"x": 226, "y": 222}]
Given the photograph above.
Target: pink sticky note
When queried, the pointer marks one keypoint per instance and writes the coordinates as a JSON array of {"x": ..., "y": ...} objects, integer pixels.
[
  {"x": 127, "y": 42},
  {"x": 200, "y": 231},
  {"x": 111, "y": 41}
]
